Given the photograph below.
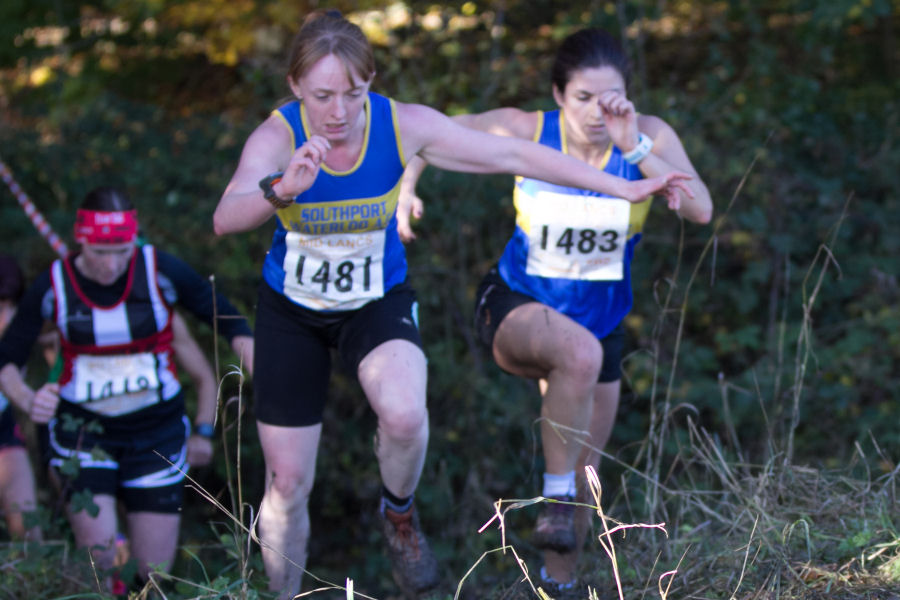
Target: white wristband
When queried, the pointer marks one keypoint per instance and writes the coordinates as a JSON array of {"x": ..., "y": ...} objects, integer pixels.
[{"x": 639, "y": 152}]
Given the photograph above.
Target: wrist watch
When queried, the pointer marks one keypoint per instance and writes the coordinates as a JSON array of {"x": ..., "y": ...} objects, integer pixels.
[
  {"x": 266, "y": 183},
  {"x": 206, "y": 430},
  {"x": 639, "y": 152}
]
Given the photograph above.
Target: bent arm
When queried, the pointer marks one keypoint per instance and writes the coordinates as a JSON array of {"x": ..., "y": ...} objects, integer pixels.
[
  {"x": 197, "y": 295},
  {"x": 448, "y": 145},
  {"x": 243, "y": 347},
  {"x": 409, "y": 204},
  {"x": 40, "y": 405},
  {"x": 191, "y": 358},
  {"x": 243, "y": 206},
  {"x": 14, "y": 387},
  {"x": 668, "y": 155},
  {"x": 18, "y": 340}
]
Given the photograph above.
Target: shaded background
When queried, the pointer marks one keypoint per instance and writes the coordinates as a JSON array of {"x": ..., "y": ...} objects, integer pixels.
[{"x": 776, "y": 328}]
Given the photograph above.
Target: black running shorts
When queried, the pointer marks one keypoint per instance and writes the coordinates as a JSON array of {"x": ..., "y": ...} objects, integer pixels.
[
  {"x": 292, "y": 349},
  {"x": 138, "y": 458},
  {"x": 494, "y": 300}
]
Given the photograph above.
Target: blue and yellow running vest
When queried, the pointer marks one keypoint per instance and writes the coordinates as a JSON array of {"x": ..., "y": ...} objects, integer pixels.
[
  {"x": 336, "y": 247},
  {"x": 572, "y": 248}
]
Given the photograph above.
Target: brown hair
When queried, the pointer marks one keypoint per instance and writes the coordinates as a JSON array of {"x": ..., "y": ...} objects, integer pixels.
[
  {"x": 325, "y": 33},
  {"x": 588, "y": 48},
  {"x": 107, "y": 198}
]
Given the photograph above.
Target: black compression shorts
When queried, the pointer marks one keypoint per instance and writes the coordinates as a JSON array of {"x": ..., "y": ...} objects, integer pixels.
[
  {"x": 138, "y": 458},
  {"x": 494, "y": 300},
  {"x": 292, "y": 349}
]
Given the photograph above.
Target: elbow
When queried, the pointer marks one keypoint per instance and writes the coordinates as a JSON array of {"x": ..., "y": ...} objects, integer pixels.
[
  {"x": 700, "y": 209},
  {"x": 704, "y": 216},
  {"x": 220, "y": 226}
]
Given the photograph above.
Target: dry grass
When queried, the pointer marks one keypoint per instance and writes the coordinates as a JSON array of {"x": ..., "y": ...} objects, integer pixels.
[
  {"x": 744, "y": 532},
  {"x": 740, "y": 528}
]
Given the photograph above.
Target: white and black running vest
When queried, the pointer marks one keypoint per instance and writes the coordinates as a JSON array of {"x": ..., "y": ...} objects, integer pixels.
[{"x": 117, "y": 359}]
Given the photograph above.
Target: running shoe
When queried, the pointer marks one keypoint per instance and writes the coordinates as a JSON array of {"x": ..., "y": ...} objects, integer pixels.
[
  {"x": 555, "y": 527},
  {"x": 415, "y": 568}
]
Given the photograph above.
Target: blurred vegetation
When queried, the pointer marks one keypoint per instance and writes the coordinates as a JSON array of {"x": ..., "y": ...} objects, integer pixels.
[{"x": 775, "y": 330}]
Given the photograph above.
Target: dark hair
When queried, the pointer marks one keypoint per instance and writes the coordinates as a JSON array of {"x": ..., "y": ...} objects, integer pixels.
[
  {"x": 107, "y": 199},
  {"x": 327, "y": 32},
  {"x": 588, "y": 48},
  {"x": 12, "y": 283}
]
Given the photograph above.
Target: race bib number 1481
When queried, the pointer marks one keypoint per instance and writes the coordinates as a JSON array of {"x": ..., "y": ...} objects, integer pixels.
[{"x": 337, "y": 272}]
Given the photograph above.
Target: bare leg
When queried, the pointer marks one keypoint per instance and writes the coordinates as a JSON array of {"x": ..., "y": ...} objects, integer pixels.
[
  {"x": 17, "y": 492},
  {"x": 537, "y": 342},
  {"x": 562, "y": 567},
  {"x": 283, "y": 526},
  {"x": 154, "y": 539},
  {"x": 393, "y": 377},
  {"x": 97, "y": 533}
]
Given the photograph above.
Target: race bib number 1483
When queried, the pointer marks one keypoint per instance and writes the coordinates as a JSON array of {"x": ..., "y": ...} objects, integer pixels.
[{"x": 577, "y": 237}]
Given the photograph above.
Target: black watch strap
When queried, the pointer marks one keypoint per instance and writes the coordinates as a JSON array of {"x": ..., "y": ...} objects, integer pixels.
[{"x": 266, "y": 183}]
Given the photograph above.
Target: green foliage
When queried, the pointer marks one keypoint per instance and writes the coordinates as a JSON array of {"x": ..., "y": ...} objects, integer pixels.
[
  {"x": 159, "y": 96},
  {"x": 84, "y": 501}
]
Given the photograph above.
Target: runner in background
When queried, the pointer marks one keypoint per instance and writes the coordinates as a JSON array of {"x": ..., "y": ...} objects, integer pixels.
[
  {"x": 187, "y": 352},
  {"x": 112, "y": 304},
  {"x": 17, "y": 489}
]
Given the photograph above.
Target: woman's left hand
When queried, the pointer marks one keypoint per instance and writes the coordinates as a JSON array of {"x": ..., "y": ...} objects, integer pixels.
[
  {"x": 409, "y": 207},
  {"x": 303, "y": 168},
  {"x": 620, "y": 119}
]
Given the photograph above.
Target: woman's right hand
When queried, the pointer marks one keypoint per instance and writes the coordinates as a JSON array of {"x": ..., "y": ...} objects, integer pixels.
[
  {"x": 199, "y": 451},
  {"x": 670, "y": 185},
  {"x": 303, "y": 168},
  {"x": 44, "y": 403}
]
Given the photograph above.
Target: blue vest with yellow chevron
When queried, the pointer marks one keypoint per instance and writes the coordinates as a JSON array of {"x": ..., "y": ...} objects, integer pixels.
[
  {"x": 572, "y": 248},
  {"x": 336, "y": 247}
]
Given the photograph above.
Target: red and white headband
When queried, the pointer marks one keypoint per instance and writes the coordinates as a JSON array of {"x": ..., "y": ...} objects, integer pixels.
[{"x": 105, "y": 227}]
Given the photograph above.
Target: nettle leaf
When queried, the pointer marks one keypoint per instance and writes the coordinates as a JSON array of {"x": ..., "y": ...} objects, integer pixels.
[
  {"x": 98, "y": 453},
  {"x": 84, "y": 500},
  {"x": 93, "y": 426},
  {"x": 70, "y": 467},
  {"x": 70, "y": 423}
]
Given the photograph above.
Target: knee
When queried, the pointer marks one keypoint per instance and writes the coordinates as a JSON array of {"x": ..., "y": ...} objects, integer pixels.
[
  {"x": 407, "y": 423},
  {"x": 288, "y": 493},
  {"x": 102, "y": 552},
  {"x": 584, "y": 362}
]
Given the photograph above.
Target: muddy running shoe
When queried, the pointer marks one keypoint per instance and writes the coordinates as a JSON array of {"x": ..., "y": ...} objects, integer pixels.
[
  {"x": 575, "y": 592},
  {"x": 555, "y": 527},
  {"x": 414, "y": 565},
  {"x": 561, "y": 591}
]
